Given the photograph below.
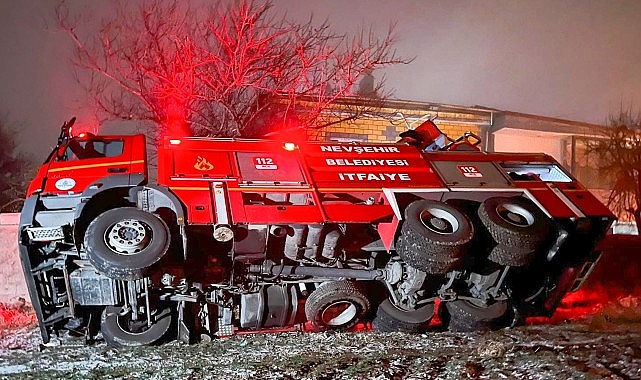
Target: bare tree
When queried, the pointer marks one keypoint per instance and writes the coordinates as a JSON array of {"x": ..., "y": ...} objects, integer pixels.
[
  {"x": 231, "y": 70},
  {"x": 619, "y": 158},
  {"x": 16, "y": 170}
]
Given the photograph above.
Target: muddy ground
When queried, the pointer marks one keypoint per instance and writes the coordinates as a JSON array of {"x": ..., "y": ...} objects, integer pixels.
[{"x": 606, "y": 345}]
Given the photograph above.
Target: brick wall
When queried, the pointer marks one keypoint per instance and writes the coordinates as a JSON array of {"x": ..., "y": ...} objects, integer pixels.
[
  {"x": 12, "y": 285},
  {"x": 385, "y": 129}
]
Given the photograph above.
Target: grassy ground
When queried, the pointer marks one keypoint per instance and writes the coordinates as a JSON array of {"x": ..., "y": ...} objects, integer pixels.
[{"x": 604, "y": 345}]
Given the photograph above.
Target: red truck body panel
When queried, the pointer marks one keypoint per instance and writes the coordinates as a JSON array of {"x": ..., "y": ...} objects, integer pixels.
[{"x": 325, "y": 178}]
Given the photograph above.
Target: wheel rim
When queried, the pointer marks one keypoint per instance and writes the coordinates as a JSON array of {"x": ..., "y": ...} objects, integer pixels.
[
  {"x": 130, "y": 326},
  {"x": 439, "y": 221},
  {"x": 515, "y": 215},
  {"x": 339, "y": 313},
  {"x": 128, "y": 237}
]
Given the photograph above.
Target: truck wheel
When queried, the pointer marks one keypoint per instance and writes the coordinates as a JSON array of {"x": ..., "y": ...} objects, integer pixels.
[
  {"x": 514, "y": 222},
  {"x": 440, "y": 263},
  {"x": 121, "y": 331},
  {"x": 512, "y": 256},
  {"x": 123, "y": 242},
  {"x": 433, "y": 232},
  {"x": 390, "y": 318},
  {"x": 465, "y": 316},
  {"x": 336, "y": 305}
]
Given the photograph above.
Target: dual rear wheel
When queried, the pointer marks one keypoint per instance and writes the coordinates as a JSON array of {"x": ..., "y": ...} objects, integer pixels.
[
  {"x": 390, "y": 318},
  {"x": 434, "y": 238},
  {"x": 518, "y": 227},
  {"x": 464, "y": 315}
]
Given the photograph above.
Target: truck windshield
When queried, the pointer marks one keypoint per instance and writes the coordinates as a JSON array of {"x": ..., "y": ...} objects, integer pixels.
[{"x": 94, "y": 148}]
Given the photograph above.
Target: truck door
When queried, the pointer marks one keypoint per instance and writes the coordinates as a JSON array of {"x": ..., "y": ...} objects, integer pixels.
[{"x": 84, "y": 161}]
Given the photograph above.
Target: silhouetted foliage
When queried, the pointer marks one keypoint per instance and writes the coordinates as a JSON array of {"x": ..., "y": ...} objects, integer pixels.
[
  {"x": 619, "y": 157},
  {"x": 16, "y": 170},
  {"x": 231, "y": 70}
]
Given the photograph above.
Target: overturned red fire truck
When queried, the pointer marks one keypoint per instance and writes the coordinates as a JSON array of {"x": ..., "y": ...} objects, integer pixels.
[{"x": 258, "y": 235}]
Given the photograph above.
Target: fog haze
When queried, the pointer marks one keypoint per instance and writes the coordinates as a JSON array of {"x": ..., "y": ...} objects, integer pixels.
[{"x": 576, "y": 60}]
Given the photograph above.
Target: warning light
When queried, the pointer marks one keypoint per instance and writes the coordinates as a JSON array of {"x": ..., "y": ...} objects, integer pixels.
[
  {"x": 289, "y": 146},
  {"x": 174, "y": 141},
  {"x": 85, "y": 135}
]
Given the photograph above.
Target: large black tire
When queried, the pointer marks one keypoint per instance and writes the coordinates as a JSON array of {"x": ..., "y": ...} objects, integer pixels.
[
  {"x": 390, "y": 318},
  {"x": 464, "y": 316},
  {"x": 433, "y": 236},
  {"x": 511, "y": 256},
  {"x": 122, "y": 243},
  {"x": 337, "y": 305},
  {"x": 120, "y": 331},
  {"x": 514, "y": 222}
]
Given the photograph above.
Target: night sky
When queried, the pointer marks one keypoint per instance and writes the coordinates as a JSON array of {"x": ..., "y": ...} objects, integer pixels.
[{"x": 577, "y": 60}]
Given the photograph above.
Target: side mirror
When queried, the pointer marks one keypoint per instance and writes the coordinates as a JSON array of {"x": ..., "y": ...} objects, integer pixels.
[
  {"x": 60, "y": 153},
  {"x": 65, "y": 131}
]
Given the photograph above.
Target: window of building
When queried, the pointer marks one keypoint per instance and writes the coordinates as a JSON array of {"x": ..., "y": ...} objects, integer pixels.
[{"x": 583, "y": 164}]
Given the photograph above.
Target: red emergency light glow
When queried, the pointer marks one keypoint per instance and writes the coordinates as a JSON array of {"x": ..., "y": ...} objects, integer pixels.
[{"x": 16, "y": 316}]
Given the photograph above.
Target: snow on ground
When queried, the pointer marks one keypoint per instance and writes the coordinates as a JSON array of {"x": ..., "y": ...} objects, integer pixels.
[{"x": 606, "y": 345}]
